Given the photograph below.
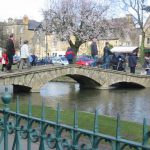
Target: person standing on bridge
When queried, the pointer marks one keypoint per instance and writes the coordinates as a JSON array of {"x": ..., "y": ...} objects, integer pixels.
[
  {"x": 106, "y": 57},
  {"x": 132, "y": 62},
  {"x": 24, "y": 55},
  {"x": 70, "y": 55},
  {"x": 94, "y": 51},
  {"x": 10, "y": 51}
]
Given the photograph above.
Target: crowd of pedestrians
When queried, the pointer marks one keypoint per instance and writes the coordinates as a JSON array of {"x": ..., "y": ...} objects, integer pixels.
[
  {"x": 26, "y": 58},
  {"x": 116, "y": 61}
]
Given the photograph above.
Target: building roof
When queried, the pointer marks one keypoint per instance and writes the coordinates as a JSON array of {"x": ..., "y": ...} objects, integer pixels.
[
  {"x": 146, "y": 25},
  {"x": 32, "y": 25},
  {"x": 119, "y": 28},
  {"x": 124, "y": 49}
]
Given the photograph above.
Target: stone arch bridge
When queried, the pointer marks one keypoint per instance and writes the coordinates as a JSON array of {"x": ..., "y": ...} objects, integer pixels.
[{"x": 87, "y": 77}]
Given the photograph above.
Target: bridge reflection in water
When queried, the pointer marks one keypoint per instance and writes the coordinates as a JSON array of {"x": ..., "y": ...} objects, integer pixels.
[
  {"x": 60, "y": 136},
  {"x": 128, "y": 102}
]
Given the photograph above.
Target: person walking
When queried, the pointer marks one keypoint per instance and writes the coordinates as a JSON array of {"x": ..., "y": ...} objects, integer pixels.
[
  {"x": 132, "y": 62},
  {"x": 4, "y": 60},
  {"x": 24, "y": 55},
  {"x": 147, "y": 65},
  {"x": 10, "y": 51}
]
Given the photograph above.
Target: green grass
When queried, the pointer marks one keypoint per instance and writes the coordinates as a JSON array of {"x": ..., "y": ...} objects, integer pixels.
[{"x": 107, "y": 125}]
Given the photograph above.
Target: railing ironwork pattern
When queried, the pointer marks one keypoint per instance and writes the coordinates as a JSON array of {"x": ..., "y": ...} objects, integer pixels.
[{"x": 51, "y": 135}]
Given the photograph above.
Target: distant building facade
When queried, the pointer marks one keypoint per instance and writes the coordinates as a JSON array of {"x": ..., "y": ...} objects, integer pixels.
[
  {"x": 42, "y": 44},
  {"x": 122, "y": 33},
  {"x": 147, "y": 36}
]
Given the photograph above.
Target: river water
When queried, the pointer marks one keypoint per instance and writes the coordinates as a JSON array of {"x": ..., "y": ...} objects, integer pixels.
[{"x": 131, "y": 104}]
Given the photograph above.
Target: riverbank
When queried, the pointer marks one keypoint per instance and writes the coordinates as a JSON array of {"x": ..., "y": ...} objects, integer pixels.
[{"x": 107, "y": 125}]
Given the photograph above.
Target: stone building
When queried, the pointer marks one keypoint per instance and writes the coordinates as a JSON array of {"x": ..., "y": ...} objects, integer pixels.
[
  {"x": 40, "y": 43},
  {"x": 122, "y": 32},
  {"x": 23, "y": 29},
  {"x": 147, "y": 36}
]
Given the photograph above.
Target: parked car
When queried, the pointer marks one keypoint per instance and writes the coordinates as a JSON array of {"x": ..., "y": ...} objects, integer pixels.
[
  {"x": 16, "y": 59},
  {"x": 84, "y": 61},
  {"x": 60, "y": 60},
  {"x": 44, "y": 61}
]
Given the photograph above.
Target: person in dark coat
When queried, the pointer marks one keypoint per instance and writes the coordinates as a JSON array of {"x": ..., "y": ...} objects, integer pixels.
[
  {"x": 132, "y": 62},
  {"x": 10, "y": 50},
  {"x": 94, "y": 51},
  {"x": 121, "y": 63},
  {"x": 70, "y": 55},
  {"x": 106, "y": 57},
  {"x": 114, "y": 61},
  {"x": 147, "y": 65}
]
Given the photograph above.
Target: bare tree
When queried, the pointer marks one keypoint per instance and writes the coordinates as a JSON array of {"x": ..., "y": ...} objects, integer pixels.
[
  {"x": 136, "y": 7},
  {"x": 3, "y": 36},
  {"x": 83, "y": 19}
]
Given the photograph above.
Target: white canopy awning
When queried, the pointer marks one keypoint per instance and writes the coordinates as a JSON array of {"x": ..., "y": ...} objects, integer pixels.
[{"x": 124, "y": 49}]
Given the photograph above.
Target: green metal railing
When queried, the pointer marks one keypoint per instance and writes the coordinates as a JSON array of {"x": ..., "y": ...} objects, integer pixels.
[{"x": 51, "y": 135}]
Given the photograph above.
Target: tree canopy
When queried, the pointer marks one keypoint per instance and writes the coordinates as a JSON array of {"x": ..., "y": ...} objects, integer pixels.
[
  {"x": 136, "y": 8},
  {"x": 82, "y": 19}
]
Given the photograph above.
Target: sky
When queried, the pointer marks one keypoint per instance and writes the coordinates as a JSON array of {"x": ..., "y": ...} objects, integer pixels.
[{"x": 18, "y": 8}]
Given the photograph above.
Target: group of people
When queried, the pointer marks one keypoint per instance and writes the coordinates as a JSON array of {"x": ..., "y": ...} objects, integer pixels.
[
  {"x": 116, "y": 61},
  {"x": 9, "y": 52}
]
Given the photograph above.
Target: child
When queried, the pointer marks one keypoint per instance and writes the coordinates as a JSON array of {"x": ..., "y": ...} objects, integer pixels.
[{"x": 4, "y": 60}]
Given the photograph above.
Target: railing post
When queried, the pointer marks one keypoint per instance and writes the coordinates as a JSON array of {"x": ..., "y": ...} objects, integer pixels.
[
  {"x": 29, "y": 123},
  {"x": 42, "y": 141},
  {"x": 75, "y": 144},
  {"x": 6, "y": 98},
  {"x": 118, "y": 132},
  {"x": 16, "y": 139},
  {"x": 57, "y": 126},
  {"x": 145, "y": 137},
  {"x": 95, "y": 130}
]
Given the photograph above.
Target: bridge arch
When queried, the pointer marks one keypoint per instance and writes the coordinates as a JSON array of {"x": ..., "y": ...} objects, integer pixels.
[
  {"x": 127, "y": 85},
  {"x": 89, "y": 77}
]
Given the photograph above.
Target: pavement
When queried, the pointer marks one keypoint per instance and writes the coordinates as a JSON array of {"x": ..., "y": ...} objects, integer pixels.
[{"x": 34, "y": 146}]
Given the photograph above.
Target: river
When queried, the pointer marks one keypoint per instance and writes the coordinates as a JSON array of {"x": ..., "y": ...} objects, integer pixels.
[{"x": 131, "y": 104}]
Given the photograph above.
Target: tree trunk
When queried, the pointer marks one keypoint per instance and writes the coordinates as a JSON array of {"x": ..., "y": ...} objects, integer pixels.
[
  {"x": 142, "y": 48},
  {"x": 75, "y": 46}
]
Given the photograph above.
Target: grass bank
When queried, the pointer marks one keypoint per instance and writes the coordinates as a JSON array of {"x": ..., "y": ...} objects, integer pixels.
[{"x": 107, "y": 125}]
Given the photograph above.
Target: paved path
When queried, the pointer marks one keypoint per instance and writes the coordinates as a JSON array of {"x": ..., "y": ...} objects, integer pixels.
[{"x": 35, "y": 146}]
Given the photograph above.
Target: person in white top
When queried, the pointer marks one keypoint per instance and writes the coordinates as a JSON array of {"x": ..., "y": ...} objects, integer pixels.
[{"x": 24, "y": 55}]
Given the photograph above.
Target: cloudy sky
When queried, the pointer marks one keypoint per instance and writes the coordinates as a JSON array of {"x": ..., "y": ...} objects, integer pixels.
[{"x": 19, "y": 8}]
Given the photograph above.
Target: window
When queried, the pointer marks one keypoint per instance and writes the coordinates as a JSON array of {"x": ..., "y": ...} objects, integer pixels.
[
  {"x": 21, "y": 29},
  {"x": 12, "y": 30},
  {"x": 148, "y": 40}
]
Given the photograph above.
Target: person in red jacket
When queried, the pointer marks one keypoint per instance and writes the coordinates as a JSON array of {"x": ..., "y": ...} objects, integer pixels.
[
  {"x": 70, "y": 55},
  {"x": 4, "y": 60}
]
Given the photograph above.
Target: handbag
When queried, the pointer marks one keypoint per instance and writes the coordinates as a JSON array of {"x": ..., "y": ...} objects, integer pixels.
[{"x": 3, "y": 61}]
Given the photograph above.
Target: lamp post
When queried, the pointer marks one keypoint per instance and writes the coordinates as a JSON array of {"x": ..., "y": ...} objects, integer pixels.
[
  {"x": 39, "y": 32},
  {"x": 46, "y": 36}
]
